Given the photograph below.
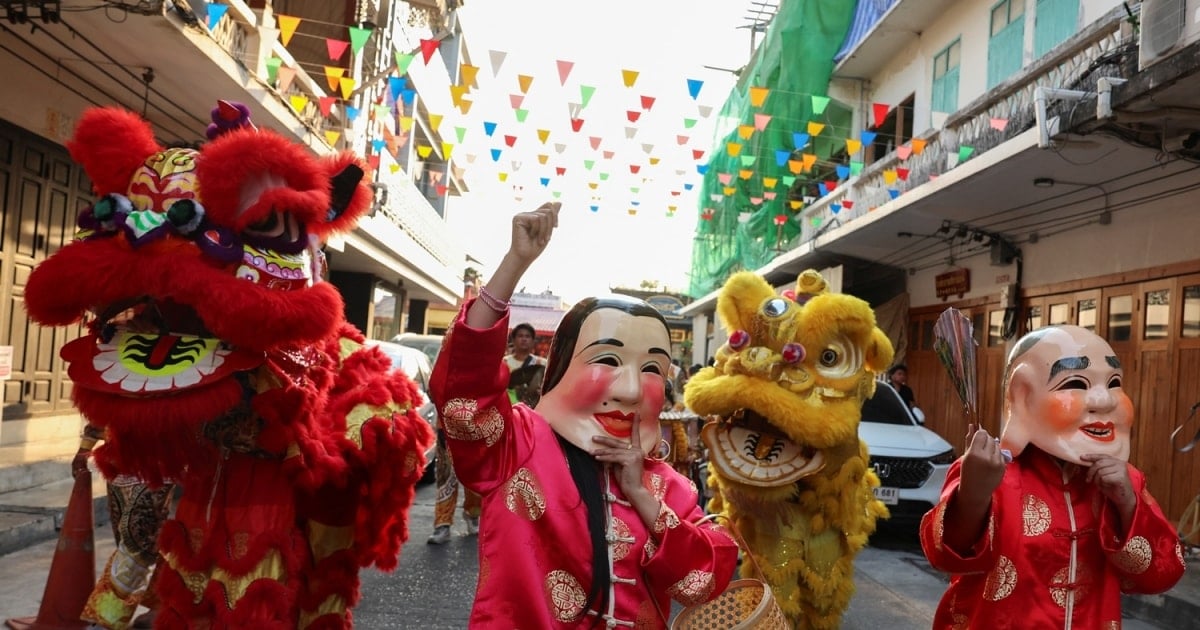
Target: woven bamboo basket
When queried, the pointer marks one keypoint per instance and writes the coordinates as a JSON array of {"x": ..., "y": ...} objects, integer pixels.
[{"x": 744, "y": 605}]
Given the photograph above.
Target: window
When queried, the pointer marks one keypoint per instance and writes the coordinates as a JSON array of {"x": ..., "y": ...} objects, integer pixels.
[
  {"x": 1085, "y": 313},
  {"x": 1007, "y": 40},
  {"x": 1191, "y": 312},
  {"x": 1120, "y": 318},
  {"x": 945, "y": 79},
  {"x": 1158, "y": 314},
  {"x": 1053, "y": 22}
]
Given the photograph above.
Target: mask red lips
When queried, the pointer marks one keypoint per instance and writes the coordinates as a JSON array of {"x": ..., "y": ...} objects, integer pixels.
[
  {"x": 616, "y": 423},
  {"x": 1099, "y": 431}
]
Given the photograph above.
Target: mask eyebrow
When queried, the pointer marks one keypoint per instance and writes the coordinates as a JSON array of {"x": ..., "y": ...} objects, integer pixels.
[
  {"x": 1068, "y": 363},
  {"x": 602, "y": 342},
  {"x": 660, "y": 351},
  {"x": 1113, "y": 362}
]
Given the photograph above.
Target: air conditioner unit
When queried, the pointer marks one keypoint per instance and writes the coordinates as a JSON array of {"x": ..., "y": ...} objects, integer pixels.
[{"x": 1167, "y": 26}]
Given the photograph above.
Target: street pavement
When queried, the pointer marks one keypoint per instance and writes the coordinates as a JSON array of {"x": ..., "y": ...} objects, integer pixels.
[{"x": 434, "y": 585}]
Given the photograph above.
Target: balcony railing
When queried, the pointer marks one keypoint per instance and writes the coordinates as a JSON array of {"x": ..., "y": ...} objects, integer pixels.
[{"x": 1076, "y": 59}]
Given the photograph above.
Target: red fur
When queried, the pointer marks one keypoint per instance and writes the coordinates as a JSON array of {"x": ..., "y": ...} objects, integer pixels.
[
  {"x": 243, "y": 501},
  {"x": 111, "y": 143}
]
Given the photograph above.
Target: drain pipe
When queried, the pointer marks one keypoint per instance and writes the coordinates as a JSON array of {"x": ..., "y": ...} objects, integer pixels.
[
  {"x": 1040, "y": 96},
  {"x": 1104, "y": 86}
]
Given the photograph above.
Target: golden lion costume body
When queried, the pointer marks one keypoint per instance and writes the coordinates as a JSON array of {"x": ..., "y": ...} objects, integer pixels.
[{"x": 785, "y": 459}]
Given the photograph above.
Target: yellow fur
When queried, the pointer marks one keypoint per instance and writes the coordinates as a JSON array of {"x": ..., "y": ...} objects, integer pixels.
[{"x": 803, "y": 534}]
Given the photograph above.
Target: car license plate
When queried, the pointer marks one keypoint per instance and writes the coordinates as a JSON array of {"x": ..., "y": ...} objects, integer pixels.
[{"x": 889, "y": 496}]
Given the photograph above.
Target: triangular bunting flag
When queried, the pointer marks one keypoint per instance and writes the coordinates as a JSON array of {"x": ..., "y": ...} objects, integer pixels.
[
  {"x": 761, "y": 120},
  {"x": 521, "y": 114},
  {"x": 576, "y": 124},
  {"x": 467, "y": 74},
  {"x": 510, "y": 140},
  {"x": 287, "y": 27},
  {"x": 782, "y": 157},
  {"x": 428, "y": 47},
  {"x": 595, "y": 142},
  {"x": 497, "y": 59},
  {"x": 326, "y": 104},
  {"x": 688, "y": 123},
  {"x": 633, "y": 115},
  {"x": 799, "y": 140},
  {"x": 298, "y": 102},
  {"x": 758, "y": 95},
  {"x": 524, "y": 81},
  {"x": 273, "y": 64},
  {"x": 585, "y": 94},
  {"x": 403, "y": 60},
  {"x": 814, "y": 128},
  {"x": 564, "y": 69},
  {"x": 852, "y": 146},
  {"x": 733, "y": 148},
  {"x": 704, "y": 110},
  {"x": 819, "y": 103},
  {"x": 332, "y": 137},
  {"x": 745, "y": 131},
  {"x": 332, "y": 74},
  {"x": 347, "y": 84},
  {"x": 542, "y": 157},
  {"x": 879, "y": 112},
  {"x": 543, "y": 135},
  {"x": 286, "y": 75},
  {"x": 489, "y": 128},
  {"x": 647, "y": 102},
  {"x": 999, "y": 123},
  {"x": 215, "y": 13},
  {"x": 682, "y": 140},
  {"x": 694, "y": 86},
  {"x": 904, "y": 151},
  {"x": 867, "y": 137},
  {"x": 358, "y": 37},
  {"x": 424, "y": 150},
  {"x": 918, "y": 145},
  {"x": 629, "y": 77}
]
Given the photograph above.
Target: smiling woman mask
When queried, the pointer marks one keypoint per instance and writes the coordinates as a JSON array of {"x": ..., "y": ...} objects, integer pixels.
[{"x": 605, "y": 372}]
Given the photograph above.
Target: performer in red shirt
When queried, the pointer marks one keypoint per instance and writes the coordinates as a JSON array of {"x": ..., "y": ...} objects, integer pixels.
[
  {"x": 1053, "y": 538},
  {"x": 580, "y": 527}
]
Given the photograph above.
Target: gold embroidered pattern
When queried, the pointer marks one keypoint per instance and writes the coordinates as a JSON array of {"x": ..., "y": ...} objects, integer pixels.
[
  {"x": 1134, "y": 557},
  {"x": 565, "y": 594},
  {"x": 939, "y": 525},
  {"x": 619, "y": 533},
  {"x": 651, "y": 547},
  {"x": 1001, "y": 581},
  {"x": 523, "y": 495},
  {"x": 694, "y": 588},
  {"x": 657, "y": 487},
  {"x": 1060, "y": 586},
  {"x": 666, "y": 519},
  {"x": 1179, "y": 555},
  {"x": 1036, "y": 515},
  {"x": 462, "y": 421}
]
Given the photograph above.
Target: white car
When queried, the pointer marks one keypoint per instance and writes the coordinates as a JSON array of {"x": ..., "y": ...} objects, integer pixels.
[
  {"x": 911, "y": 461},
  {"x": 415, "y": 364}
]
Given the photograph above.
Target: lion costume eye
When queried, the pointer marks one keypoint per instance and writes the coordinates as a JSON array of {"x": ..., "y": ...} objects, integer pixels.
[
  {"x": 775, "y": 307},
  {"x": 278, "y": 230},
  {"x": 839, "y": 360}
]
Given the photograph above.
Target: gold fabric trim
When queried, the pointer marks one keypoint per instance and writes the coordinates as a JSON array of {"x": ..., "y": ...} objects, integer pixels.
[
  {"x": 523, "y": 495},
  {"x": 461, "y": 420},
  {"x": 695, "y": 588},
  {"x": 324, "y": 540},
  {"x": 667, "y": 519},
  {"x": 619, "y": 533},
  {"x": 1036, "y": 515},
  {"x": 334, "y": 604},
  {"x": 566, "y": 596},
  {"x": 1134, "y": 557},
  {"x": 362, "y": 413},
  {"x": 271, "y": 567}
]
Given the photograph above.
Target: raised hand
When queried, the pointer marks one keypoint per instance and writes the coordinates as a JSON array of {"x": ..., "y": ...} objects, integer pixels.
[
  {"x": 1111, "y": 476},
  {"x": 531, "y": 232},
  {"x": 982, "y": 467}
]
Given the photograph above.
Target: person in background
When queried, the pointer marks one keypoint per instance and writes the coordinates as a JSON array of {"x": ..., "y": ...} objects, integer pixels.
[
  {"x": 526, "y": 369},
  {"x": 576, "y": 468},
  {"x": 447, "y": 497},
  {"x": 898, "y": 379},
  {"x": 1047, "y": 526}
]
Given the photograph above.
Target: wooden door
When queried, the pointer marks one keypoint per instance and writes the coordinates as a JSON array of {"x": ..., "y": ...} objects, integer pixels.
[
  {"x": 1185, "y": 467},
  {"x": 1154, "y": 328},
  {"x": 41, "y": 193}
]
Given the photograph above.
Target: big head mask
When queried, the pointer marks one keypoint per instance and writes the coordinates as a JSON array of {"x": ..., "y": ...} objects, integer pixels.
[
  {"x": 604, "y": 375},
  {"x": 1063, "y": 394}
]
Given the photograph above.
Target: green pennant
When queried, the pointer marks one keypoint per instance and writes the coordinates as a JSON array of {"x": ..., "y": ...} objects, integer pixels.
[
  {"x": 273, "y": 69},
  {"x": 359, "y": 37},
  {"x": 588, "y": 164},
  {"x": 688, "y": 123},
  {"x": 556, "y": 194},
  {"x": 521, "y": 114},
  {"x": 819, "y": 103},
  {"x": 856, "y": 167},
  {"x": 964, "y": 152},
  {"x": 460, "y": 132},
  {"x": 816, "y": 221},
  {"x": 747, "y": 160},
  {"x": 402, "y": 62},
  {"x": 585, "y": 93},
  {"x": 634, "y": 189},
  {"x": 788, "y": 180},
  {"x": 603, "y": 177}
]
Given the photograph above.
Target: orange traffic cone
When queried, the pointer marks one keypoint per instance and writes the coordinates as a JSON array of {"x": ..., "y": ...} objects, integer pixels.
[{"x": 73, "y": 569}]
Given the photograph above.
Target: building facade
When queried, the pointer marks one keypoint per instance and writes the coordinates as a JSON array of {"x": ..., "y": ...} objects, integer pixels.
[
  {"x": 172, "y": 61},
  {"x": 1033, "y": 163}
]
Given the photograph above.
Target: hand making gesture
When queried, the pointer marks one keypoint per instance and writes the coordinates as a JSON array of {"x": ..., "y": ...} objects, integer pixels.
[
  {"x": 983, "y": 465},
  {"x": 628, "y": 458},
  {"x": 1111, "y": 476},
  {"x": 531, "y": 233}
]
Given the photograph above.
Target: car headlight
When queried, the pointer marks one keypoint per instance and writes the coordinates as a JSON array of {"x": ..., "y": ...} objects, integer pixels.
[{"x": 942, "y": 459}]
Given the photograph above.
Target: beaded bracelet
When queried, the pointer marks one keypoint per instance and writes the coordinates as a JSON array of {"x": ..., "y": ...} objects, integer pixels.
[{"x": 492, "y": 302}]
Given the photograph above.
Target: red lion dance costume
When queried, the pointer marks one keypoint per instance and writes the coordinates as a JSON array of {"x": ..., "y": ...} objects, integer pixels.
[{"x": 217, "y": 358}]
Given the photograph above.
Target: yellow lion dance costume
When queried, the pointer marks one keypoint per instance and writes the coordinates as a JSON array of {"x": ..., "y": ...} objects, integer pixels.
[{"x": 786, "y": 464}]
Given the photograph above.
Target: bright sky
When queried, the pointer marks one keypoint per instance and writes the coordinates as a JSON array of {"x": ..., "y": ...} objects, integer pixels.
[{"x": 667, "y": 42}]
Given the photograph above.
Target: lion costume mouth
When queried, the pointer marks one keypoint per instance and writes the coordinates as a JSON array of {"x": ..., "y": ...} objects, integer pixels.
[
  {"x": 152, "y": 348},
  {"x": 747, "y": 449}
]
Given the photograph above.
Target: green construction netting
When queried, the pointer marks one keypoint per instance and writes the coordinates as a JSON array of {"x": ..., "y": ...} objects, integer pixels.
[{"x": 794, "y": 62}]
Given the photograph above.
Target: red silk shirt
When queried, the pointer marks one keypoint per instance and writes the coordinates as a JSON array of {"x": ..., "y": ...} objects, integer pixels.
[
  {"x": 1052, "y": 555},
  {"x": 534, "y": 549}
]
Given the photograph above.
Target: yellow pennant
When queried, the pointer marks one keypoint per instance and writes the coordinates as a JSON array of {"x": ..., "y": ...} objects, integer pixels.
[
  {"x": 758, "y": 95},
  {"x": 447, "y": 148},
  {"x": 769, "y": 182},
  {"x": 406, "y": 123},
  {"x": 745, "y": 173},
  {"x": 464, "y": 106},
  {"x": 745, "y": 131},
  {"x": 298, "y": 101},
  {"x": 890, "y": 176},
  {"x": 287, "y": 27},
  {"x": 435, "y": 121},
  {"x": 542, "y": 158},
  {"x": 467, "y": 74},
  {"x": 632, "y": 211},
  {"x": 332, "y": 137},
  {"x": 456, "y": 95},
  {"x": 395, "y": 168},
  {"x": 424, "y": 150},
  {"x": 503, "y": 176},
  {"x": 347, "y": 85},
  {"x": 733, "y": 148},
  {"x": 332, "y": 75},
  {"x": 729, "y": 190},
  {"x": 653, "y": 161},
  {"x": 814, "y": 128},
  {"x": 852, "y": 146},
  {"x": 543, "y": 135},
  {"x": 796, "y": 204},
  {"x": 629, "y": 77},
  {"x": 593, "y": 185}
]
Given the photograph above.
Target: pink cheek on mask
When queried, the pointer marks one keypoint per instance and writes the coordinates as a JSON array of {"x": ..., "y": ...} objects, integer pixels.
[
  {"x": 653, "y": 395},
  {"x": 592, "y": 386}
]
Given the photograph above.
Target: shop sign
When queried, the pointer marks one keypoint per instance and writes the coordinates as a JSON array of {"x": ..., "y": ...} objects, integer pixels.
[{"x": 957, "y": 282}]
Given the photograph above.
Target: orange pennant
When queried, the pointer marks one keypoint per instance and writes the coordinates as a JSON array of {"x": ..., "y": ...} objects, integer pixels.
[
  {"x": 745, "y": 131},
  {"x": 745, "y": 173},
  {"x": 456, "y": 94},
  {"x": 810, "y": 159},
  {"x": 332, "y": 75},
  {"x": 629, "y": 77},
  {"x": 542, "y": 158},
  {"x": 795, "y": 166},
  {"x": 918, "y": 145},
  {"x": 466, "y": 74},
  {"x": 524, "y": 81}
]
